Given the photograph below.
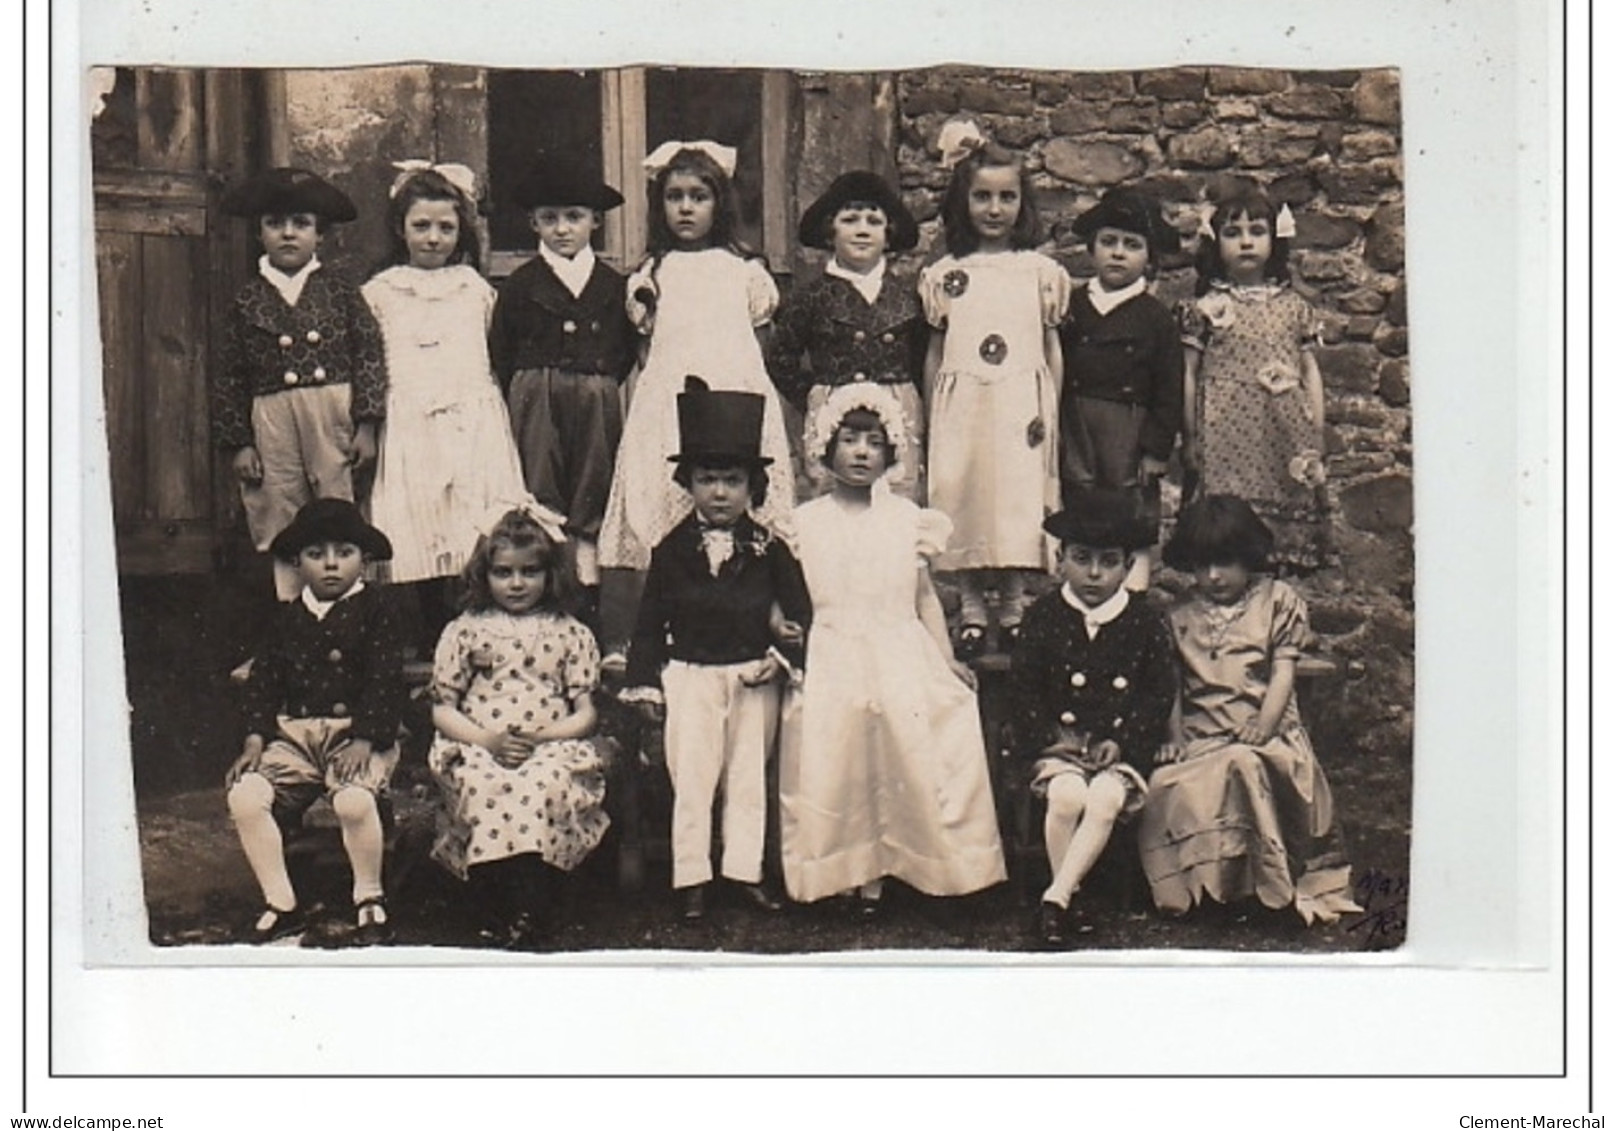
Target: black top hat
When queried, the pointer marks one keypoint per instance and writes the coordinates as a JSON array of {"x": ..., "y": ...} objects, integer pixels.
[
  {"x": 719, "y": 428},
  {"x": 283, "y": 191},
  {"x": 559, "y": 185},
  {"x": 1103, "y": 518},
  {"x": 330, "y": 520},
  {"x": 858, "y": 187},
  {"x": 1131, "y": 211}
]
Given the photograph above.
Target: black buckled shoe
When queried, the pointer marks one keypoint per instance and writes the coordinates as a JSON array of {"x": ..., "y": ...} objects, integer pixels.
[{"x": 273, "y": 923}]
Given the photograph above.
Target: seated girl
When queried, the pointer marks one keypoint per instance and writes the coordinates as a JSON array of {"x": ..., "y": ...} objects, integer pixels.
[{"x": 1239, "y": 806}]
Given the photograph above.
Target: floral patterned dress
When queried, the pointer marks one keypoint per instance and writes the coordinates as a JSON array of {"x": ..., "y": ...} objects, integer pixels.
[
  {"x": 504, "y": 671},
  {"x": 1256, "y": 438}
]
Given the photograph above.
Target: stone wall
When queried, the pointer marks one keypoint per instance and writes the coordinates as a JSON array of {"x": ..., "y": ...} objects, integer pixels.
[
  {"x": 1328, "y": 143},
  {"x": 350, "y": 125}
]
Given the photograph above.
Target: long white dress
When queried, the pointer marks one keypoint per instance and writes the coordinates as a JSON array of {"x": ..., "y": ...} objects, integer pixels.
[
  {"x": 887, "y": 774},
  {"x": 994, "y": 465},
  {"x": 708, "y": 306},
  {"x": 447, "y": 454}
]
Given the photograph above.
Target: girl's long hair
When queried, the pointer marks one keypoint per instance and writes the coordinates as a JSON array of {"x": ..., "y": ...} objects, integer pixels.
[
  {"x": 725, "y": 212},
  {"x": 517, "y": 531},
  {"x": 957, "y": 230},
  {"x": 1250, "y": 201},
  {"x": 430, "y": 185}
]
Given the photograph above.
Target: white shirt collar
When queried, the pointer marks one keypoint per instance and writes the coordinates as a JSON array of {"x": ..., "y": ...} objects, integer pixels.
[
  {"x": 867, "y": 285},
  {"x": 574, "y": 273},
  {"x": 1105, "y": 301},
  {"x": 319, "y": 608},
  {"x": 1095, "y": 618},
  {"x": 289, "y": 286}
]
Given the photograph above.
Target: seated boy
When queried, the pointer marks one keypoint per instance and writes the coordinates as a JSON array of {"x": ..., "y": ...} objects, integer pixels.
[
  {"x": 1093, "y": 683},
  {"x": 322, "y": 707}
]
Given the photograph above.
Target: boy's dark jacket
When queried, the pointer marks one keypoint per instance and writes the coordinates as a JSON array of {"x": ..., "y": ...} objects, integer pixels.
[
  {"x": 688, "y": 614},
  {"x": 845, "y": 338},
  {"x": 1132, "y": 355},
  {"x": 349, "y": 665},
  {"x": 1120, "y": 685},
  {"x": 538, "y": 324},
  {"x": 329, "y": 338}
]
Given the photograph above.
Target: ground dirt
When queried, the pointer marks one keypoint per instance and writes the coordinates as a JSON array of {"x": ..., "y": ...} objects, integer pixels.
[{"x": 182, "y": 636}]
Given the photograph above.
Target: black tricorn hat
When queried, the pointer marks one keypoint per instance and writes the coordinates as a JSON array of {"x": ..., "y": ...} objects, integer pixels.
[
  {"x": 330, "y": 520},
  {"x": 557, "y": 185},
  {"x": 860, "y": 187},
  {"x": 1104, "y": 519},
  {"x": 282, "y": 191},
  {"x": 719, "y": 428},
  {"x": 1131, "y": 211}
]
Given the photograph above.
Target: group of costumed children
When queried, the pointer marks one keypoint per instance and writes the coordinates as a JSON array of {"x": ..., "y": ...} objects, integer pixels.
[{"x": 989, "y": 423}]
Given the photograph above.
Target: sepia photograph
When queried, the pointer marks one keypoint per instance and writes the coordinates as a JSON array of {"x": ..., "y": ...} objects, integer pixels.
[
  {"x": 752, "y": 511},
  {"x": 603, "y": 555}
]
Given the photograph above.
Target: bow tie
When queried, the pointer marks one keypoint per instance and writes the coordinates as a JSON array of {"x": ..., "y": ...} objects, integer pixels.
[{"x": 718, "y": 543}]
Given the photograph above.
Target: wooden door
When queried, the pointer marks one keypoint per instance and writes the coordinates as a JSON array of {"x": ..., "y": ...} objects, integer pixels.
[{"x": 163, "y": 147}]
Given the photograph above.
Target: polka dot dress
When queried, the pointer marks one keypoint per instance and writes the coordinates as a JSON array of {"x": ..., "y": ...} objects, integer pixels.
[
  {"x": 1256, "y": 439},
  {"x": 517, "y": 673}
]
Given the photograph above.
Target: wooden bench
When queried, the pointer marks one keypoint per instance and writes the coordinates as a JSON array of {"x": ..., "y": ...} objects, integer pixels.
[{"x": 1020, "y": 811}]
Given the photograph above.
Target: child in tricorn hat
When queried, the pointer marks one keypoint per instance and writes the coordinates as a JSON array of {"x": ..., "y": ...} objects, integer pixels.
[
  {"x": 1093, "y": 683},
  {"x": 301, "y": 385},
  {"x": 323, "y": 705},
  {"x": 704, "y": 652},
  {"x": 1121, "y": 401},
  {"x": 561, "y": 346}
]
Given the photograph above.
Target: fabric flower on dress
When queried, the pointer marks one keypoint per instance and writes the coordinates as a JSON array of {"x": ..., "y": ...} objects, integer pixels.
[
  {"x": 955, "y": 283},
  {"x": 643, "y": 293},
  {"x": 1218, "y": 309},
  {"x": 1308, "y": 468},
  {"x": 1278, "y": 377},
  {"x": 994, "y": 349}
]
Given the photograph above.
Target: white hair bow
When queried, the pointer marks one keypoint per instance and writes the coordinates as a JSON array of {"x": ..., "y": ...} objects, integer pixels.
[
  {"x": 460, "y": 176},
  {"x": 660, "y": 157},
  {"x": 1284, "y": 223},
  {"x": 1207, "y": 211},
  {"x": 550, "y": 522},
  {"x": 958, "y": 139}
]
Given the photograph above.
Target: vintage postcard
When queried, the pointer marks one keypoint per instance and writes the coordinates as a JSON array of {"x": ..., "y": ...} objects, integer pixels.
[{"x": 1026, "y": 585}]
